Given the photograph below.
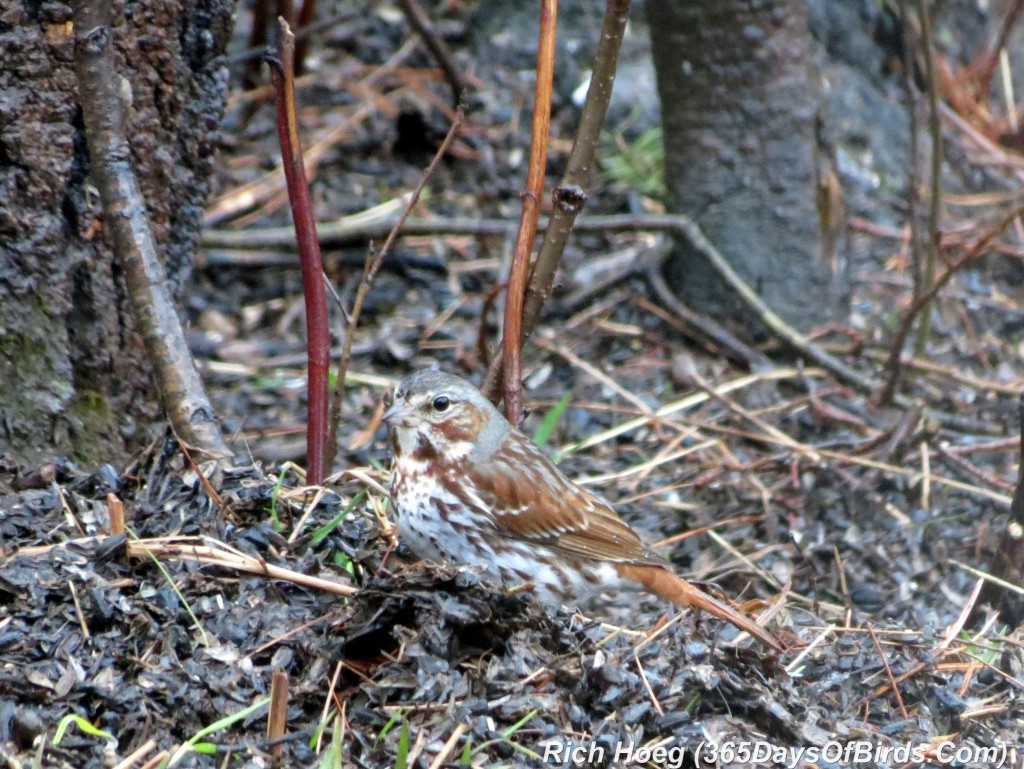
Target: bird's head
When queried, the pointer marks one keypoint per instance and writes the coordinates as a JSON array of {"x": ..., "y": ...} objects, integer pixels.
[{"x": 433, "y": 415}]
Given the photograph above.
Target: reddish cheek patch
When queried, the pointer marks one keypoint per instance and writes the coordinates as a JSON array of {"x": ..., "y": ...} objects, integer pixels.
[{"x": 461, "y": 427}]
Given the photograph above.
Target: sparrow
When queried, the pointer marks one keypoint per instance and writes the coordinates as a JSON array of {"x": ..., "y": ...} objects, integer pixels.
[{"x": 468, "y": 488}]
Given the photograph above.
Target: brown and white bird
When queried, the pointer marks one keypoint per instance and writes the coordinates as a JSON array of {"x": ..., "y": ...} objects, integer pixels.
[{"x": 468, "y": 488}]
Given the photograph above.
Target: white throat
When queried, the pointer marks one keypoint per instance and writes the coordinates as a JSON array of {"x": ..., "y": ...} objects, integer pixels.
[{"x": 408, "y": 441}]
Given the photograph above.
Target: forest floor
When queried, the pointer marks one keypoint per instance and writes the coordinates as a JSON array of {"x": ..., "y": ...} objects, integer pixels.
[{"x": 859, "y": 533}]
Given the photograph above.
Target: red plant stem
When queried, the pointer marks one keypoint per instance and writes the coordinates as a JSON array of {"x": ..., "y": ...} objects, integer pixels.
[
  {"x": 512, "y": 330},
  {"x": 317, "y": 334}
]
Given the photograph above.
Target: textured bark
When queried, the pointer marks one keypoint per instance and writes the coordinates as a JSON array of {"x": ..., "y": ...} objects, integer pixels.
[
  {"x": 74, "y": 377},
  {"x": 739, "y": 98}
]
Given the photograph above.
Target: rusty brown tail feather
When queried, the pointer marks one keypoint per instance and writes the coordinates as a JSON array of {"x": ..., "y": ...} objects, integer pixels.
[{"x": 667, "y": 586}]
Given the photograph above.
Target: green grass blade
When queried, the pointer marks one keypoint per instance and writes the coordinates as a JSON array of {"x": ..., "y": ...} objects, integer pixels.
[
  {"x": 321, "y": 533},
  {"x": 227, "y": 721},
  {"x": 506, "y": 733},
  {"x": 402, "y": 757},
  {"x": 543, "y": 432},
  {"x": 174, "y": 587},
  {"x": 333, "y": 755},
  {"x": 387, "y": 727},
  {"x": 82, "y": 724}
]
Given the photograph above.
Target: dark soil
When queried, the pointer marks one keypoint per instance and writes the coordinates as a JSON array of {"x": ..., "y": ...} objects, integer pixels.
[{"x": 856, "y": 535}]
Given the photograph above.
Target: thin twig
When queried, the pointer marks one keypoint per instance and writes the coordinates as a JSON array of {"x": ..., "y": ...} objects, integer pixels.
[
  {"x": 893, "y": 365},
  {"x": 511, "y": 342},
  {"x": 771, "y": 432},
  {"x": 448, "y": 747},
  {"x": 935, "y": 202},
  {"x": 688, "y": 402},
  {"x": 136, "y": 755},
  {"x": 843, "y": 586},
  {"x": 703, "y": 327},
  {"x": 157, "y": 760},
  {"x": 78, "y": 611},
  {"x": 988, "y": 577},
  {"x": 563, "y": 350},
  {"x": 793, "y": 666},
  {"x": 647, "y": 684},
  {"x": 954, "y": 630},
  {"x": 420, "y": 21},
  {"x": 373, "y": 263},
  {"x": 222, "y": 556},
  {"x": 205, "y": 482},
  {"x": 913, "y": 193},
  {"x": 570, "y": 195},
  {"x": 888, "y": 673},
  {"x": 972, "y": 470}
]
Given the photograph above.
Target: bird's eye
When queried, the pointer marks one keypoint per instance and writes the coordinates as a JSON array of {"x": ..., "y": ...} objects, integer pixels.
[{"x": 441, "y": 402}]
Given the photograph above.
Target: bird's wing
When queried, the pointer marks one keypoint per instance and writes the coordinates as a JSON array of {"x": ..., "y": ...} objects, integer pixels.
[{"x": 531, "y": 499}]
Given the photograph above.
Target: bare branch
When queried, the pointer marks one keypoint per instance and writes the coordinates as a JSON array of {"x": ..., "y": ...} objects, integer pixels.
[{"x": 103, "y": 94}]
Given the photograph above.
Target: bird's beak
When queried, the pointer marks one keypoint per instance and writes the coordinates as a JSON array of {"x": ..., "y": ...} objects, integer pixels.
[{"x": 396, "y": 413}]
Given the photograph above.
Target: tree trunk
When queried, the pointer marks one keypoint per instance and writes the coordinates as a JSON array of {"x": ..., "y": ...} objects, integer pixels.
[
  {"x": 73, "y": 377},
  {"x": 739, "y": 98}
]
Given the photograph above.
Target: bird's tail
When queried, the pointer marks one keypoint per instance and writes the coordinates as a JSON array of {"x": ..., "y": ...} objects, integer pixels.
[{"x": 667, "y": 586}]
